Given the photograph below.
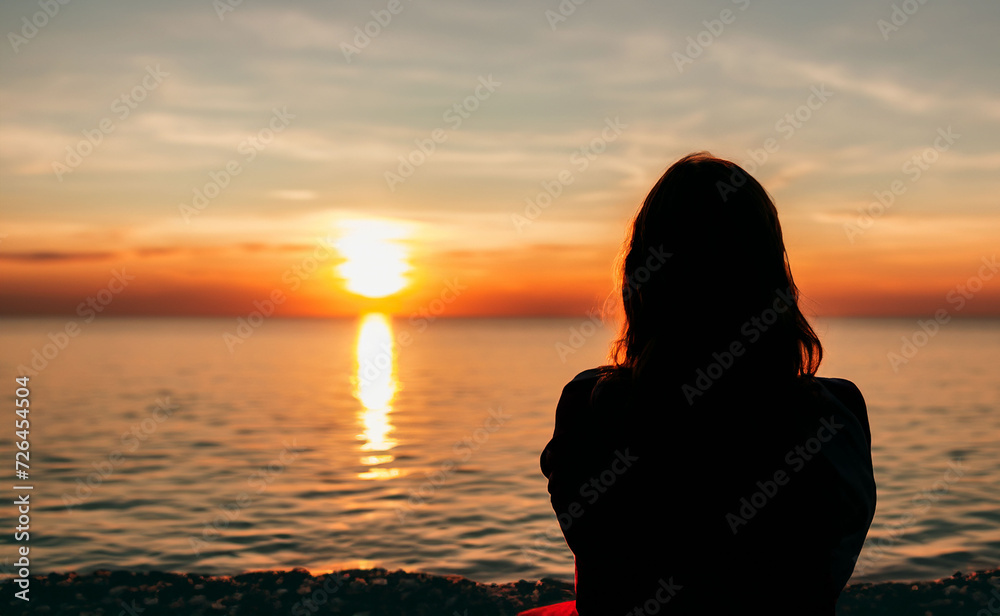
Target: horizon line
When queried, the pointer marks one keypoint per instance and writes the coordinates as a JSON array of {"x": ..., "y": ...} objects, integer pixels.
[{"x": 417, "y": 315}]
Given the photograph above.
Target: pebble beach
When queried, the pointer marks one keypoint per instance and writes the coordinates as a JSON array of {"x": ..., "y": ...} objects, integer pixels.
[{"x": 374, "y": 592}]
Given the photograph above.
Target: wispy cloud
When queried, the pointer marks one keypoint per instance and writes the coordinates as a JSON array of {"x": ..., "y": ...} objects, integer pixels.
[{"x": 52, "y": 257}]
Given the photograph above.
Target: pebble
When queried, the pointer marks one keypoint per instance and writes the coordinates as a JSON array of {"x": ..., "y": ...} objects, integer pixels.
[{"x": 400, "y": 593}]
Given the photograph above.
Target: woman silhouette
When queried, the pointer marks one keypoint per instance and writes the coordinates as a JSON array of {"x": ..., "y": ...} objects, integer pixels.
[{"x": 708, "y": 469}]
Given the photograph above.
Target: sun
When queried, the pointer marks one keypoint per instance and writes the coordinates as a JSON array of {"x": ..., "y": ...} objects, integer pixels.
[{"x": 376, "y": 259}]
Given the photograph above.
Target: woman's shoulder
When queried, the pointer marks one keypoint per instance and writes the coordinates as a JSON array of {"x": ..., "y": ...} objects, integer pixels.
[
  {"x": 583, "y": 383},
  {"x": 594, "y": 382},
  {"x": 577, "y": 396},
  {"x": 591, "y": 375},
  {"x": 843, "y": 388},
  {"x": 847, "y": 394}
]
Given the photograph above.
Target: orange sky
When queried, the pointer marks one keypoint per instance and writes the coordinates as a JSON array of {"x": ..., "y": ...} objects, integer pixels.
[
  {"x": 209, "y": 157},
  {"x": 531, "y": 280}
]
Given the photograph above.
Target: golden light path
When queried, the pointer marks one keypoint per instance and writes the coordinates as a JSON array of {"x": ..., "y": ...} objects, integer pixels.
[
  {"x": 375, "y": 261},
  {"x": 375, "y": 387}
]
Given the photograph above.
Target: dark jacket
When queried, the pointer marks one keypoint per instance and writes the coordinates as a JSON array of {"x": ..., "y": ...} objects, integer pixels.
[{"x": 756, "y": 495}]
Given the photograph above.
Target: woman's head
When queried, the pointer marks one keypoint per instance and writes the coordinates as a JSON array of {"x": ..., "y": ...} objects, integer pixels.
[{"x": 705, "y": 269}]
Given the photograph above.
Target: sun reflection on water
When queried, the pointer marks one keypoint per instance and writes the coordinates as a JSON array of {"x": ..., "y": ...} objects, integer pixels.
[{"x": 375, "y": 387}]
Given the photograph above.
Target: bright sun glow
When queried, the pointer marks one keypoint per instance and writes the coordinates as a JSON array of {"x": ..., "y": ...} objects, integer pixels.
[
  {"x": 376, "y": 260},
  {"x": 375, "y": 388}
]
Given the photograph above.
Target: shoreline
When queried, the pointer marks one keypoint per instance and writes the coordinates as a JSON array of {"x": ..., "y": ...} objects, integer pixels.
[{"x": 371, "y": 592}]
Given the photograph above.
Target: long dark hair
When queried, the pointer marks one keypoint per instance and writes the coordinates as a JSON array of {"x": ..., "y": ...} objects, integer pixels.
[{"x": 704, "y": 259}]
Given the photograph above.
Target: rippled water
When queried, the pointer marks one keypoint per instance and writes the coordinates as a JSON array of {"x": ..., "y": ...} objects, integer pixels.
[{"x": 377, "y": 442}]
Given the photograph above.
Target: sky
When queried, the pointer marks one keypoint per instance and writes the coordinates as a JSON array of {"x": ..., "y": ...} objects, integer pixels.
[{"x": 214, "y": 157}]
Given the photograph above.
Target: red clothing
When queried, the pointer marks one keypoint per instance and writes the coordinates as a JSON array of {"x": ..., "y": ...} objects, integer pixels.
[{"x": 756, "y": 495}]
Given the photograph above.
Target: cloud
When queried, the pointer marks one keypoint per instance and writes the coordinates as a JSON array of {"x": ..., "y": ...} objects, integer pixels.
[
  {"x": 766, "y": 64},
  {"x": 51, "y": 257},
  {"x": 293, "y": 194},
  {"x": 290, "y": 29}
]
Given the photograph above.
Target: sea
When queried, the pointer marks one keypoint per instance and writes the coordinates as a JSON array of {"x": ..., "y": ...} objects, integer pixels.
[{"x": 222, "y": 446}]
